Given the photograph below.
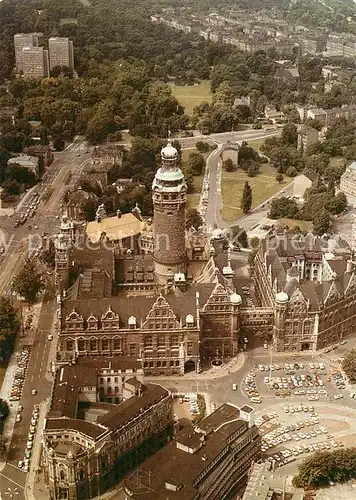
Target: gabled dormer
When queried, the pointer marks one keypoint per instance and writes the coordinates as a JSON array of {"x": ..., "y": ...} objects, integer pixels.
[
  {"x": 161, "y": 316},
  {"x": 351, "y": 286},
  {"x": 74, "y": 321},
  {"x": 333, "y": 294},
  {"x": 92, "y": 322},
  {"x": 218, "y": 300},
  {"x": 297, "y": 302},
  {"x": 110, "y": 320}
]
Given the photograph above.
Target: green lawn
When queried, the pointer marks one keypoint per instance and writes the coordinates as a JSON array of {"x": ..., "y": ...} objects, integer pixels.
[
  {"x": 194, "y": 198},
  {"x": 263, "y": 186},
  {"x": 305, "y": 225},
  {"x": 256, "y": 143},
  {"x": 192, "y": 95}
]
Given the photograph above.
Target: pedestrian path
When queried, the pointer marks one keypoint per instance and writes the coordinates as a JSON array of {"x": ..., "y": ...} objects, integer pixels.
[{"x": 234, "y": 365}]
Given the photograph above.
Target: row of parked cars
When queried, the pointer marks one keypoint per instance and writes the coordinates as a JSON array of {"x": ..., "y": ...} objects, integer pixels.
[
  {"x": 25, "y": 463},
  {"x": 295, "y": 382},
  {"x": 250, "y": 388},
  {"x": 20, "y": 374},
  {"x": 30, "y": 212},
  {"x": 287, "y": 456}
]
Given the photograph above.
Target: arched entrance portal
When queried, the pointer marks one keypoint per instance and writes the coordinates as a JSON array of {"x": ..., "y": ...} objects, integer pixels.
[{"x": 189, "y": 366}]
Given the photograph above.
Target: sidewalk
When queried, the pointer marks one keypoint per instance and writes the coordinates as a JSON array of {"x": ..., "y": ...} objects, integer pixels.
[
  {"x": 35, "y": 488},
  {"x": 214, "y": 372},
  {"x": 10, "y": 375}
]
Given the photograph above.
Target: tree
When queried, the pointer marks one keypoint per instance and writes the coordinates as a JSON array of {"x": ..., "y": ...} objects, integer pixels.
[
  {"x": 48, "y": 254},
  {"x": 196, "y": 163},
  {"x": 279, "y": 178},
  {"x": 325, "y": 466},
  {"x": 283, "y": 207},
  {"x": 349, "y": 366},
  {"x": 289, "y": 135},
  {"x": 58, "y": 143},
  {"x": 321, "y": 222},
  {"x": 20, "y": 174},
  {"x": 90, "y": 209},
  {"x": 28, "y": 283},
  {"x": 202, "y": 147},
  {"x": 246, "y": 199},
  {"x": 254, "y": 242},
  {"x": 193, "y": 219},
  {"x": 9, "y": 326},
  {"x": 229, "y": 165}
]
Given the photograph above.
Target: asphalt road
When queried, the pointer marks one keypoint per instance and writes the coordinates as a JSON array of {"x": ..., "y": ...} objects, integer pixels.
[
  {"x": 16, "y": 242},
  {"x": 213, "y": 176}
]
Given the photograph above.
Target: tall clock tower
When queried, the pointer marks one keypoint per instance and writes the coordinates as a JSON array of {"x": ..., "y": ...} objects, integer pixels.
[{"x": 169, "y": 193}]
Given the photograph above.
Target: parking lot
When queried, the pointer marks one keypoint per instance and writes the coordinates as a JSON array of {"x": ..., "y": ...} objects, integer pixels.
[
  {"x": 292, "y": 431},
  {"x": 308, "y": 381},
  {"x": 20, "y": 374}
]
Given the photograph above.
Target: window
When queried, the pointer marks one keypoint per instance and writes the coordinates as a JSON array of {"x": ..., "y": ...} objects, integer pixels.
[
  {"x": 175, "y": 340},
  {"x": 93, "y": 345},
  {"x": 105, "y": 344},
  {"x": 132, "y": 349},
  {"x": 117, "y": 344},
  {"x": 70, "y": 345},
  {"x": 161, "y": 341},
  {"x": 81, "y": 345},
  {"x": 148, "y": 341}
]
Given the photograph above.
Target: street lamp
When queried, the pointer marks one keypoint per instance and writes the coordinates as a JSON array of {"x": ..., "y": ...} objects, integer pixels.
[{"x": 11, "y": 493}]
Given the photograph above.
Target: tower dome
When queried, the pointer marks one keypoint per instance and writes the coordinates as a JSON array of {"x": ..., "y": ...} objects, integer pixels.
[
  {"x": 235, "y": 299},
  {"x": 169, "y": 152},
  {"x": 282, "y": 297}
]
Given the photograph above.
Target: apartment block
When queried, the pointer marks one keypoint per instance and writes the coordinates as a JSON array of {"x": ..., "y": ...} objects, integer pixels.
[
  {"x": 22, "y": 40},
  {"x": 60, "y": 52},
  {"x": 35, "y": 62}
]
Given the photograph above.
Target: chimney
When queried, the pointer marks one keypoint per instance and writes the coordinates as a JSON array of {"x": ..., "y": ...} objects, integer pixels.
[
  {"x": 349, "y": 266},
  {"x": 197, "y": 306}
]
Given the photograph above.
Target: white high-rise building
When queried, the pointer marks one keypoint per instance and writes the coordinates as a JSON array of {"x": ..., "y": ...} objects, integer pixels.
[
  {"x": 22, "y": 40},
  {"x": 60, "y": 52},
  {"x": 35, "y": 62}
]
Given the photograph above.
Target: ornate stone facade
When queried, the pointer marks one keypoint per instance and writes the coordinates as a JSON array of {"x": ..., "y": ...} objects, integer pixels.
[
  {"x": 169, "y": 192},
  {"x": 310, "y": 284},
  {"x": 84, "y": 457}
]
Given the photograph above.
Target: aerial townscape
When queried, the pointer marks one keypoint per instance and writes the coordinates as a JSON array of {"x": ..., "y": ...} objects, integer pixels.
[{"x": 177, "y": 250}]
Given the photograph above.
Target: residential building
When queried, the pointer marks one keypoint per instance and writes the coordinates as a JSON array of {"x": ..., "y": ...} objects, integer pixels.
[
  {"x": 35, "y": 62},
  {"x": 76, "y": 202},
  {"x": 90, "y": 443},
  {"x": 42, "y": 152},
  {"x": 286, "y": 75},
  {"x": 26, "y": 161},
  {"x": 107, "y": 156},
  {"x": 61, "y": 52},
  {"x": 307, "y": 136},
  {"x": 348, "y": 183},
  {"x": 208, "y": 461},
  {"x": 22, "y": 40}
]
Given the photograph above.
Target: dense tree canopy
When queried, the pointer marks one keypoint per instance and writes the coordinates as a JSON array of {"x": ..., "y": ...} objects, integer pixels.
[
  {"x": 349, "y": 366},
  {"x": 325, "y": 466}
]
